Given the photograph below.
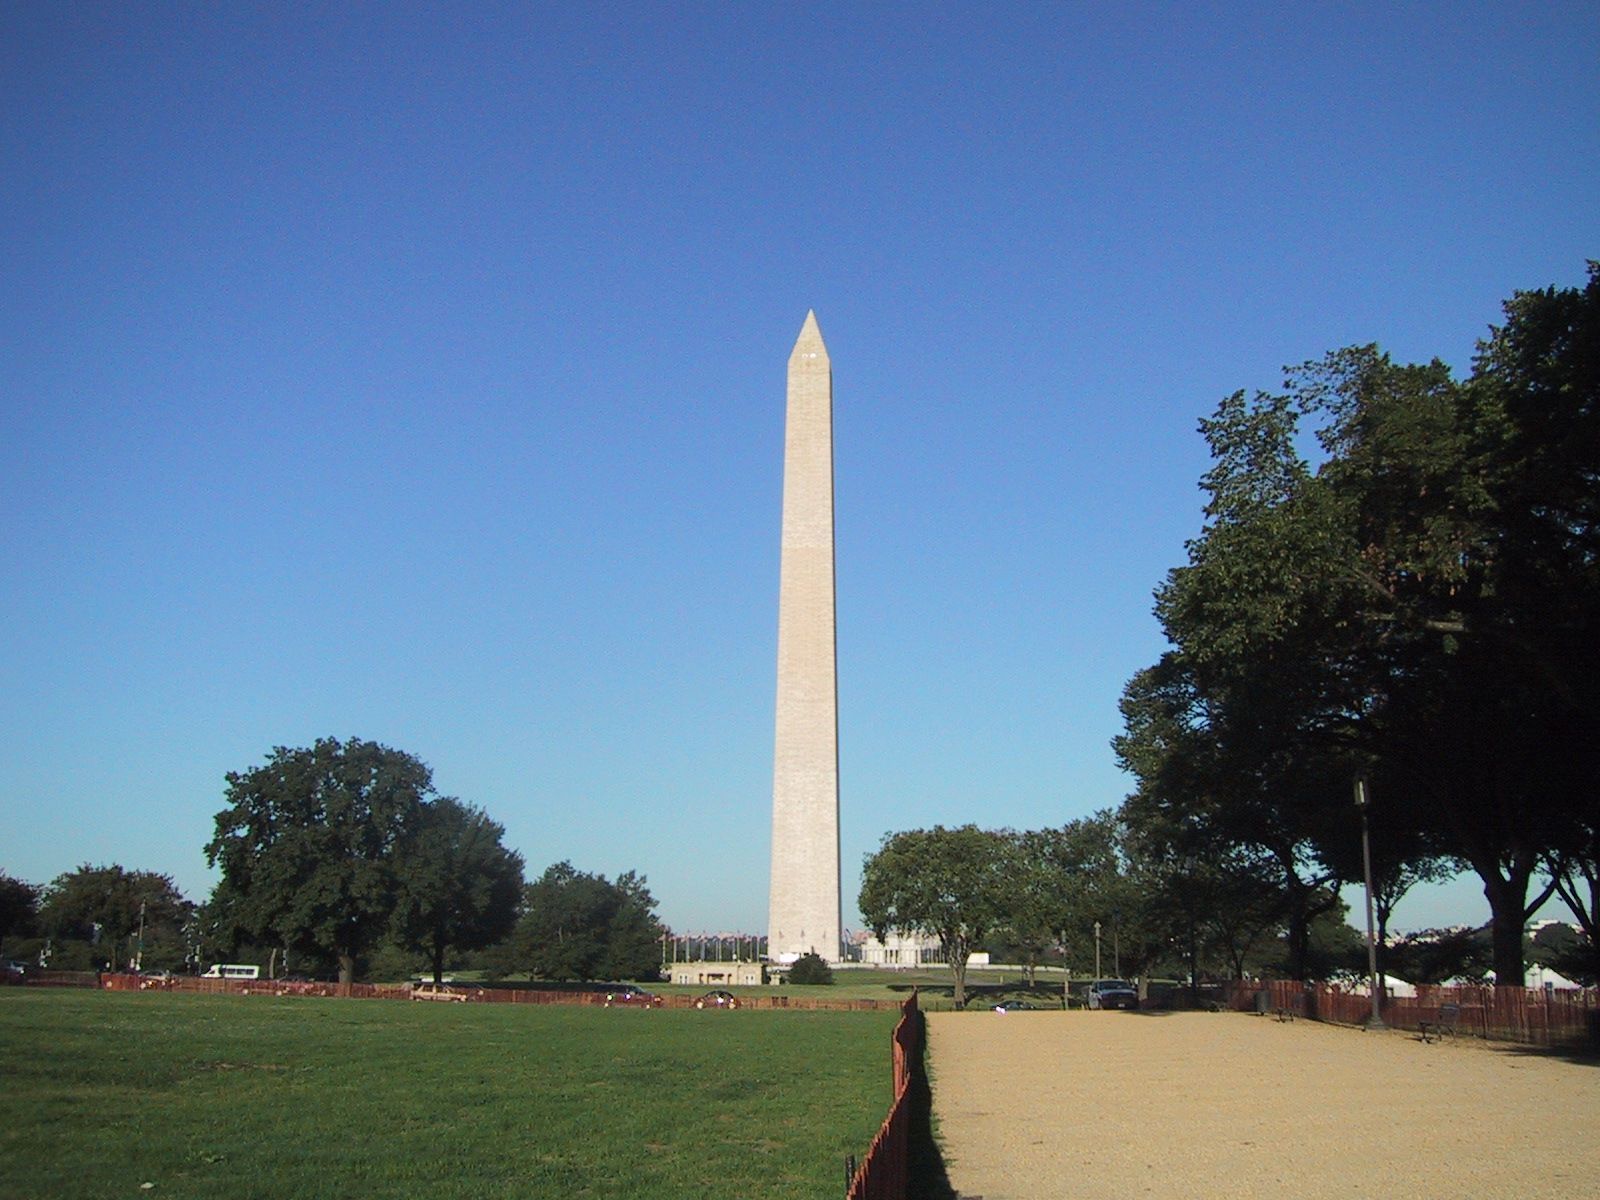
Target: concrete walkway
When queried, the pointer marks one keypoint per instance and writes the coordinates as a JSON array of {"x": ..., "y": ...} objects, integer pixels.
[{"x": 1087, "y": 1105}]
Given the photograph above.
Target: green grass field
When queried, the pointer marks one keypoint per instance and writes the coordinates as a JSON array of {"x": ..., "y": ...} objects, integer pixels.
[{"x": 105, "y": 1093}]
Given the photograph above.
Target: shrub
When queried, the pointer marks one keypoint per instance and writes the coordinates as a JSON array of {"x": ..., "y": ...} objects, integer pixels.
[{"x": 809, "y": 968}]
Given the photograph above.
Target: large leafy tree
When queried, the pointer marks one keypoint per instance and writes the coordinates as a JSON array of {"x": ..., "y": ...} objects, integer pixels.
[
  {"x": 1412, "y": 609},
  {"x": 581, "y": 926},
  {"x": 109, "y": 906},
  {"x": 951, "y": 884},
  {"x": 459, "y": 887},
  {"x": 1537, "y": 379},
  {"x": 310, "y": 846},
  {"x": 1063, "y": 880},
  {"x": 19, "y": 907},
  {"x": 1225, "y": 826},
  {"x": 1202, "y": 901}
]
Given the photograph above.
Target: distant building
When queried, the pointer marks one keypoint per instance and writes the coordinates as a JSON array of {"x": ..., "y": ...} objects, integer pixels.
[
  {"x": 899, "y": 949},
  {"x": 718, "y": 974}
]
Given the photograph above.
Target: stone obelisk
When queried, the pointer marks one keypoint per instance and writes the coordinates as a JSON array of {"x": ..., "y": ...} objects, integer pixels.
[{"x": 804, "y": 914}]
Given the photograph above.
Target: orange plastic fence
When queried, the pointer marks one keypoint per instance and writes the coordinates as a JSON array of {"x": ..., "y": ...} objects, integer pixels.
[
  {"x": 457, "y": 992},
  {"x": 884, "y": 1171},
  {"x": 1516, "y": 1014}
]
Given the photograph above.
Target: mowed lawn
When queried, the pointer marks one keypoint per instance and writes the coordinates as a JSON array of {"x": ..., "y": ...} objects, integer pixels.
[{"x": 103, "y": 1093}]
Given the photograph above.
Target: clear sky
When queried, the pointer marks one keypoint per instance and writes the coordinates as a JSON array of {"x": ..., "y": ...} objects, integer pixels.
[{"x": 416, "y": 373}]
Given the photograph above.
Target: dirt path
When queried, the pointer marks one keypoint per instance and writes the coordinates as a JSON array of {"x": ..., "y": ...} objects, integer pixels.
[{"x": 1089, "y": 1105}]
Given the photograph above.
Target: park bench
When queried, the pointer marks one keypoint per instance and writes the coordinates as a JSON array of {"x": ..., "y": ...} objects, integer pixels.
[
  {"x": 1263, "y": 1006},
  {"x": 1447, "y": 1022}
]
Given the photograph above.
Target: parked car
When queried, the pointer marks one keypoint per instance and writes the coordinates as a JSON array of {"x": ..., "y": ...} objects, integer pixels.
[
  {"x": 1006, "y": 1006},
  {"x": 633, "y": 998},
  {"x": 717, "y": 1000},
  {"x": 1113, "y": 993}
]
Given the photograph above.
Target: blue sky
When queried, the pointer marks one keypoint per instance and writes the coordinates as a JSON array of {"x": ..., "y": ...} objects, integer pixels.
[{"x": 416, "y": 373}]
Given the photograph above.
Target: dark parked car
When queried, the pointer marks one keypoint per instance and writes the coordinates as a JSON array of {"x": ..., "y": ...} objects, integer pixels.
[
  {"x": 717, "y": 1000},
  {"x": 1113, "y": 993}
]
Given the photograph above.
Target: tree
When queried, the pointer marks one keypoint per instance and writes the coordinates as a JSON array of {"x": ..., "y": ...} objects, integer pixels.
[
  {"x": 19, "y": 908},
  {"x": 948, "y": 883},
  {"x": 1205, "y": 904},
  {"x": 581, "y": 926},
  {"x": 1061, "y": 881},
  {"x": 1432, "y": 956},
  {"x": 459, "y": 887},
  {"x": 1413, "y": 609},
  {"x": 810, "y": 969},
  {"x": 1229, "y": 812},
  {"x": 1574, "y": 872},
  {"x": 634, "y": 939},
  {"x": 109, "y": 907},
  {"x": 310, "y": 844},
  {"x": 1567, "y": 950}
]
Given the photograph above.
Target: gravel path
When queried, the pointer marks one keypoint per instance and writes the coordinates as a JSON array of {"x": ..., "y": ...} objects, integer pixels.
[{"x": 1087, "y": 1105}]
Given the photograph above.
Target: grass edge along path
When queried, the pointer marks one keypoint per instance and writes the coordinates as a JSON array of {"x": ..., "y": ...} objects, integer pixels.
[{"x": 106, "y": 1092}]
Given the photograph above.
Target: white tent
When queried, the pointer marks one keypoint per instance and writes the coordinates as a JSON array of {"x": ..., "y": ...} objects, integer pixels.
[
  {"x": 1540, "y": 977},
  {"x": 1392, "y": 985},
  {"x": 1537, "y": 977}
]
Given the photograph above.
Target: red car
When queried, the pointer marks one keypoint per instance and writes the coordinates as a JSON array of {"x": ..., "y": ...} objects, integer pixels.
[{"x": 633, "y": 998}]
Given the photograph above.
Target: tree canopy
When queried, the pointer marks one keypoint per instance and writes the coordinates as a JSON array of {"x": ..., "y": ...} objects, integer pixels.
[
  {"x": 1060, "y": 882},
  {"x": 459, "y": 887},
  {"x": 948, "y": 883},
  {"x": 19, "y": 907},
  {"x": 106, "y": 907},
  {"x": 581, "y": 926},
  {"x": 311, "y": 843},
  {"x": 1410, "y": 607}
]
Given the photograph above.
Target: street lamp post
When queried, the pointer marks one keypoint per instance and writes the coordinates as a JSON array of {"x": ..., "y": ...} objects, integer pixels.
[
  {"x": 1097, "y": 949},
  {"x": 1362, "y": 800}
]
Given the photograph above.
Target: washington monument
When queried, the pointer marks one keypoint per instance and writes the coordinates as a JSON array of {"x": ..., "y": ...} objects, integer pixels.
[{"x": 804, "y": 913}]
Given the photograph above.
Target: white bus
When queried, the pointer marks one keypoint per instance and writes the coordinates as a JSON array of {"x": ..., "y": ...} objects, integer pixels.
[{"x": 233, "y": 971}]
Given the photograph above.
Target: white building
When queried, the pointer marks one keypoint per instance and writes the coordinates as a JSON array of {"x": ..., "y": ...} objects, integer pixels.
[
  {"x": 717, "y": 974},
  {"x": 909, "y": 950}
]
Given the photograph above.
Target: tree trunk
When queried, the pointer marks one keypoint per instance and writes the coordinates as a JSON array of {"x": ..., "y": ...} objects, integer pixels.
[
  {"x": 956, "y": 952},
  {"x": 1506, "y": 939},
  {"x": 1507, "y": 896},
  {"x": 347, "y": 969},
  {"x": 438, "y": 965},
  {"x": 1299, "y": 940},
  {"x": 1381, "y": 939},
  {"x": 1509, "y": 910}
]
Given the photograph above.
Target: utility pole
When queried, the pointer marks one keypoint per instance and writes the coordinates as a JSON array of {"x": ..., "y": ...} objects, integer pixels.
[{"x": 138, "y": 957}]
